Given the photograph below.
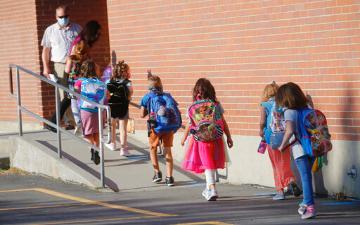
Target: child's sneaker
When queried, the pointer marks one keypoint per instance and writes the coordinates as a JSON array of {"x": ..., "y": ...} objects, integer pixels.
[
  {"x": 111, "y": 146},
  {"x": 309, "y": 213},
  {"x": 124, "y": 152},
  {"x": 97, "y": 158},
  {"x": 279, "y": 196},
  {"x": 213, "y": 195},
  {"x": 157, "y": 177},
  {"x": 302, "y": 209},
  {"x": 169, "y": 181},
  {"x": 206, "y": 194},
  {"x": 92, "y": 151},
  {"x": 295, "y": 189}
]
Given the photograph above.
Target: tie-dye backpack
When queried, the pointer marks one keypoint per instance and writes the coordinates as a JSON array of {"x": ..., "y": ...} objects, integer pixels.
[{"x": 206, "y": 121}]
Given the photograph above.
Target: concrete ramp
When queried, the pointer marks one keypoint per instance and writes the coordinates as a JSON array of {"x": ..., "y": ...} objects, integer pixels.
[{"x": 37, "y": 153}]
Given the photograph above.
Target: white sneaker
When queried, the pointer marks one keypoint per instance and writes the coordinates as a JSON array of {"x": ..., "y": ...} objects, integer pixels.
[
  {"x": 124, "y": 152},
  {"x": 111, "y": 146},
  {"x": 210, "y": 195},
  {"x": 213, "y": 195},
  {"x": 206, "y": 194}
]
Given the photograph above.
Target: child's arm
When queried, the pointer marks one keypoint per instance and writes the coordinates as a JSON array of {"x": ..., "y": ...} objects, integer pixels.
[
  {"x": 186, "y": 134},
  {"x": 262, "y": 121},
  {"x": 227, "y": 133},
  {"x": 143, "y": 112},
  {"x": 131, "y": 92},
  {"x": 289, "y": 131}
]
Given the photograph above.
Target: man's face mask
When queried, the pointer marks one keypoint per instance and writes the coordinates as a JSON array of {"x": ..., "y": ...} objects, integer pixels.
[{"x": 63, "y": 20}]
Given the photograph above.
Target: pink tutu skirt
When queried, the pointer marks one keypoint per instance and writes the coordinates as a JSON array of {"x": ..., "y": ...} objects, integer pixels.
[{"x": 204, "y": 155}]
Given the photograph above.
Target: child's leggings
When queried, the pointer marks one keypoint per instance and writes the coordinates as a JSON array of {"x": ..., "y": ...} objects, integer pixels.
[
  {"x": 210, "y": 177},
  {"x": 304, "y": 165},
  {"x": 75, "y": 110}
]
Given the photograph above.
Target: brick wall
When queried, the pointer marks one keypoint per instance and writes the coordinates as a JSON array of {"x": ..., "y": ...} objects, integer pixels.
[
  {"x": 18, "y": 45},
  {"x": 241, "y": 46},
  {"x": 24, "y": 23}
]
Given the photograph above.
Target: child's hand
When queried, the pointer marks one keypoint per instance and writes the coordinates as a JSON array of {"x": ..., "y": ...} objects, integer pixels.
[
  {"x": 261, "y": 133},
  {"x": 183, "y": 142},
  {"x": 230, "y": 142}
]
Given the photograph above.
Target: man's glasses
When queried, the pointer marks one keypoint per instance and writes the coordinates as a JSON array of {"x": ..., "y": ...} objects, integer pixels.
[{"x": 65, "y": 16}]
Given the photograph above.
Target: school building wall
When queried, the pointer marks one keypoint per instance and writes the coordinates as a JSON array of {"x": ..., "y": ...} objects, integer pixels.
[
  {"x": 241, "y": 46},
  {"x": 24, "y": 23}
]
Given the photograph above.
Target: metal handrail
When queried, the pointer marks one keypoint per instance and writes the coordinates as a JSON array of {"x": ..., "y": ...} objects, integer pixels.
[{"x": 59, "y": 129}]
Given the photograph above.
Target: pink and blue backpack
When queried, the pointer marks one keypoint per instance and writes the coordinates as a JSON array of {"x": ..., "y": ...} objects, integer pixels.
[{"x": 206, "y": 121}]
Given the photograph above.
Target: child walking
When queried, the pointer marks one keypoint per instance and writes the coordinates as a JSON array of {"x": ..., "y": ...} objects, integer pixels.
[
  {"x": 272, "y": 124},
  {"x": 119, "y": 92},
  {"x": 164, "y": 120},
  {"x": 205, "y": 151},
  {"x": 291, "y": 97},
  {"x": 92, "y": 88}
]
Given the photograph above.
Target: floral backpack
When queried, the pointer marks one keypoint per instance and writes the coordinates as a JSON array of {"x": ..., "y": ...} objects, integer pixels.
[
  {"x": 314, "y": 132},
  {"x": 206, "y": 121}
]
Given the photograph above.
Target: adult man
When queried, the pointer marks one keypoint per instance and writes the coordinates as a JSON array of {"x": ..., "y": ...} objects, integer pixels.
[{"x": 56, "y": 44}]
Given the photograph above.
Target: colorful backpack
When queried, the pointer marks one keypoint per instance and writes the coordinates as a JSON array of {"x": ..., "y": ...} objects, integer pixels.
[
  {"x": 314, "y": 132},
  {"x": 206, "y": 122},
  {"x": 119, "y": 93},
  {"x": 275, "y": 126},
  {"x": 94, "y": 90},
  {"x": 164, "y": 115}
]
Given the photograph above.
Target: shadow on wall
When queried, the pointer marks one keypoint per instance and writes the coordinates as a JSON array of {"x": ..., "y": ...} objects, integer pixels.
[{"x": 351, "y": 186}]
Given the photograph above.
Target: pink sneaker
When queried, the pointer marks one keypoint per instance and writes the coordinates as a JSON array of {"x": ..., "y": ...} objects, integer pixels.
[{"x": 309, "y": 213}]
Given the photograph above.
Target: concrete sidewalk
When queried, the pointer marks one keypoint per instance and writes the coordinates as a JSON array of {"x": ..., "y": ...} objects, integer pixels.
[{"x": 122, "y": 173}]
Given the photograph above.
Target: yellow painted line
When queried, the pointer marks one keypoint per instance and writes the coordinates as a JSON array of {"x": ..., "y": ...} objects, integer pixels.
[
  {"x": 94, "y": 220},
  {"x": 16, "y": 190},
  {"x": 40, "y": 207},
  {"x": 205, "y": 223},
  {"x": 90, "y": 202}
]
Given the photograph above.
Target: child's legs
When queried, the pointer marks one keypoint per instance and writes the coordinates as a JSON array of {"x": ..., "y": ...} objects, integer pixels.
[
  {"x": 75, "y": 110},
  {"x": 123, "y": 132},
  {"x": 113, "y": 130},
  {"x": 304, "y": 166},
  {"x": 272, "y": 157},
  {"x": 168, "y": 139},
  {"x": 210, "y": 178},
  {"x": 96, "y": 139},
  {"x": 154, "y": 141},
  {"x": 89, "y": 138},
  {"x": 281, "y": 164}
]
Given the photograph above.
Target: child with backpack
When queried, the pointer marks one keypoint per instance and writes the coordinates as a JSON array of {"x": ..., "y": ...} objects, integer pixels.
[
  {"x": 312, "y": 139},
  {"x": 164, "y": 120},
  {"x": 205, "y": 150},
  {"x": 119, "y": 92},
  {"x": 93, "y": 89},
  {"x": 272, "y": 129}
]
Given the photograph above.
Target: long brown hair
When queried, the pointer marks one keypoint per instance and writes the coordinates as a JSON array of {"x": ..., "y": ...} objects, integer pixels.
[
  {"x": 291, "y": 96},
  {"x": 270, "y": 91},
  {"x": 88, "y": 69},
  {"x": 120, "y": 71},
  {"x": 203, "y": 89}
]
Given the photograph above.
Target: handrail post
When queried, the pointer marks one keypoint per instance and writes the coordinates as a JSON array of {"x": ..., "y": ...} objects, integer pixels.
[
  {"x": 11, "y": 81},
  {"x": 101, "y": 147},
  {"x": 18, "y": 97},
  {"x": 57, "y": 105}
]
